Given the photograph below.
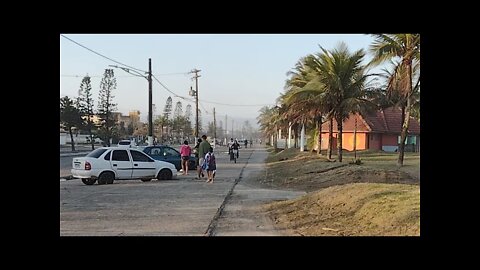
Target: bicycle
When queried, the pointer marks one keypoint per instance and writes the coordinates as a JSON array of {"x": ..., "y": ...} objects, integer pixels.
[{"x": 233, "y": 155}]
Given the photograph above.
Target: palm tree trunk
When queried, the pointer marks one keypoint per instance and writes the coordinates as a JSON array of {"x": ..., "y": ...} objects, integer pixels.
[
  {"x": 295, "y": 135},
  {"x": 275, "y": 141},
  {"x": 406, "y": 121},
  {"x": 71, "y": 138},
  {"x": 339, "y": 139},
  {"x": 355, "y": 140},
  {"x": 403, "y": 135},
  {"x": 330, "y": 139},
  {"x": 319, "y": 124}
]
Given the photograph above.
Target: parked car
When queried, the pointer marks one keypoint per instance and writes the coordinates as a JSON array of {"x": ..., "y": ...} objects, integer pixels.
[
  {"x": 126, "y": 144},
  {"x": 169, "y": 154},
  {"x": 107, "y": 164}
]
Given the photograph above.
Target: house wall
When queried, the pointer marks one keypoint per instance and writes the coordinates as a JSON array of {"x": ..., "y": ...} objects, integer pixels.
[
  {"x": 389, "y": 143},
  {"x": 374, "y": 141},
  {"x": 347, "y": 141}
]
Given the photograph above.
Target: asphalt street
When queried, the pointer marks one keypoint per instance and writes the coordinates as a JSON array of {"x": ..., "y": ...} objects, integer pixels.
[{"x": 183, "y": 207}]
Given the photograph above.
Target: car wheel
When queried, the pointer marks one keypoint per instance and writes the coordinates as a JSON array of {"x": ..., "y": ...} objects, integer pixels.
[
  {"x": 106, "y": 178},
  {"x": 89, "y": 181},
  {"x": 146, "y": 179},
  {"x": 164, "y": 174}
]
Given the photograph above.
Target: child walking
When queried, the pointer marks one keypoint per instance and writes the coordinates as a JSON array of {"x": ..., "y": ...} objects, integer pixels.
[{"x": 210, "y": 165}]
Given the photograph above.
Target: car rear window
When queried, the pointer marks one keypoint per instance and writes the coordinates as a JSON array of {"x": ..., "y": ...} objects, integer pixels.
[{"x": 96, "y": 153}]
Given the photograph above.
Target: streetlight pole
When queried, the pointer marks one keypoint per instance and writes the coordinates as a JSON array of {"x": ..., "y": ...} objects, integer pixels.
[{"x": 150, "y": 124}]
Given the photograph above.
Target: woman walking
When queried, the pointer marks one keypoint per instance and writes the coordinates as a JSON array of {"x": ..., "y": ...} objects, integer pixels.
[{"x": 185, "y": 152}]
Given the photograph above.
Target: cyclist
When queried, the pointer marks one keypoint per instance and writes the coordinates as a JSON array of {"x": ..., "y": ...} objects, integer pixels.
[{"x": 233, "y": 146}]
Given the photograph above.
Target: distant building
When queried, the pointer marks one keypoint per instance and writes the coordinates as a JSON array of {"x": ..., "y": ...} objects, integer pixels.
[{"x": 378, "y": 131}]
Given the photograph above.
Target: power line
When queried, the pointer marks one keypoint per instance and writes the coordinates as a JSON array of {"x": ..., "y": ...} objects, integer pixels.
[
  {"x": 102, "y": 54},
  {"x": 168, "y": 89},
  {"x": 238, "y": 105},
  {"x": 95, "y": 76}
]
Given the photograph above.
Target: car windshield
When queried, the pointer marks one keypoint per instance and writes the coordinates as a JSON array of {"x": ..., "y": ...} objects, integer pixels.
[
  {"x": 124, "y": 143},
  {"x": 97, "y": 153}
]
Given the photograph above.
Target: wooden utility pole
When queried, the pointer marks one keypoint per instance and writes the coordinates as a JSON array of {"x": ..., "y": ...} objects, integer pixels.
[
  {"x": 150, "y": 122},
  {"x": 196, "y": 101}
]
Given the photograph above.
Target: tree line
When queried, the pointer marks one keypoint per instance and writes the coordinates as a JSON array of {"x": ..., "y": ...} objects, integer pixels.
[
  {"x": 79, "y": 113},
  {"x": 332, "y": 84}
]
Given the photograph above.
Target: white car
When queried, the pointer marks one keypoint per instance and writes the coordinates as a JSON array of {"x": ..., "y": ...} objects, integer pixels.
[
  {"x": 106, "y": 164},
  {"x": 126, "y": 144}
]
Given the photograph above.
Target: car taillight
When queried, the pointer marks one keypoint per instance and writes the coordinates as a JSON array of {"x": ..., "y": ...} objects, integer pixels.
[{"x": 88, "y": 166}]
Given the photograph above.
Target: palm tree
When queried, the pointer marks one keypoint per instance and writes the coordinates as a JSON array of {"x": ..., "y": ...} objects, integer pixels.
[
  {"x": 406, "y": 47},
  {"x": 267, "y": 121},
  {"x": 344, "y": 79},
  {"x": 305, "y": 95}
]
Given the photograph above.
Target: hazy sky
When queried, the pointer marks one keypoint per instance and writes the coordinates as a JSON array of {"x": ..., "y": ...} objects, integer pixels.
[{"x": 236, "y": 69}]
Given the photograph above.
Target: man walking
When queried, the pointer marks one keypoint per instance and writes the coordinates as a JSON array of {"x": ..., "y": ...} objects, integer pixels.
[{"x": 202, "y": 151}]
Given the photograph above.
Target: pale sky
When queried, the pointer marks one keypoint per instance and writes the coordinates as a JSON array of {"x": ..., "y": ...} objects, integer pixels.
[{"x": 236, "y": 69}]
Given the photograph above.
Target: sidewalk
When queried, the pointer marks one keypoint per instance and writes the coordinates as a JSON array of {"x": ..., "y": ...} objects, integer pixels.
[{"x": 243, "y": 214}]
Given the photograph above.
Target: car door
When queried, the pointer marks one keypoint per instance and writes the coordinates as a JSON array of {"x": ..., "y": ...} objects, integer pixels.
[
  {"x": 143, "y": 165},
  {"x": 173, "y": 156},
  {"x": 121, "y": 163}
]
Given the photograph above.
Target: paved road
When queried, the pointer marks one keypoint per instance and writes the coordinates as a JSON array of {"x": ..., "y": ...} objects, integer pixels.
[{"x": 185, "y": 206}]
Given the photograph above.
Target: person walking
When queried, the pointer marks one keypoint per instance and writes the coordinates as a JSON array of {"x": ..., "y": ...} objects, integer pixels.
[
  {"x": 185, "y": 152},
  {"x": 210, "y": 165},
  {"x": 202, "y": 151}
]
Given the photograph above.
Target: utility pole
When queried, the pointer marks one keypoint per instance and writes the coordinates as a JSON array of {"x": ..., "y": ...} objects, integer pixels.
[
  {"x": 232, "y": 128},
  {"x": 150, "y": 125},
  {"x": 196, "y": 101},
  {"x": 214, "y": 129}
]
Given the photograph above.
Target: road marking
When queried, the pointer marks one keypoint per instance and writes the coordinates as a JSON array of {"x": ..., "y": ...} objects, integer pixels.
[{"x": 63, "y": 179}]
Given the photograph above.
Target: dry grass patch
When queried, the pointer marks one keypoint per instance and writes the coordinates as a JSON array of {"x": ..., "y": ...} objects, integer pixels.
[{"x": 360, "y": 209}]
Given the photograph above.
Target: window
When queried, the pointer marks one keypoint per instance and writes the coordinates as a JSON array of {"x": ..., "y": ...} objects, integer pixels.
[
  {"x": 167, "y": 151},
  {"x": 139, "y": 156},
  {"x": 154, "y": 151},
  {"x": 96, "y": 153},
  {"x": 120, "y": 155},
  {"x": 107, "y": 156}
]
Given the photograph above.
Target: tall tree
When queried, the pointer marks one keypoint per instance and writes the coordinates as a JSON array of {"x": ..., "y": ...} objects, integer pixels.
[
  {"x": 167, "y": 112},
  {"x": 106, "y": 105},
  {"x": 178, "y": 110},
  {"x": 344, "y": 79},
  {"x": 188, "y": 121},
  {"x": 70, "y": 117},
  {"x": 86, "y": 104},
  {"x": 306, "y": 99},
  {"x": 161, "y": 122},
  {"x": 406, "y": 47}
]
